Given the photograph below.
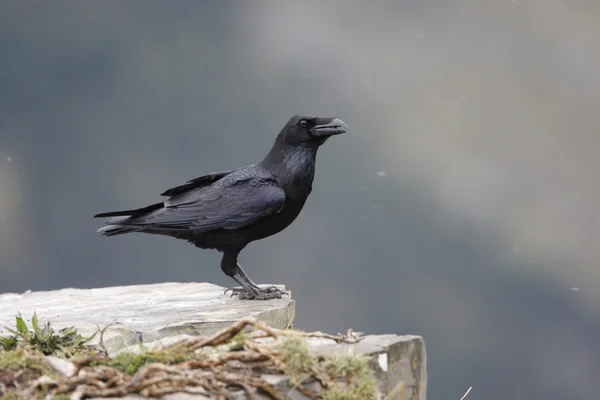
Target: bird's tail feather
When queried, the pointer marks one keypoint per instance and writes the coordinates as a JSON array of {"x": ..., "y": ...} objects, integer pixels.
[
  {"x": 119, "y": 222},
  {"x": 131, "y": 213},
  {"x": 112, "y": 230}
]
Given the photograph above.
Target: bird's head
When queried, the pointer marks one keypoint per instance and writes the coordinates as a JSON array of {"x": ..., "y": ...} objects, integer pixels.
[{"x": 312, "y": 130}]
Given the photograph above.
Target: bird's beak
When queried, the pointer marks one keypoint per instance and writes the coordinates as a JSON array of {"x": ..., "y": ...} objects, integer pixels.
[{"x": 333, "y": 127}]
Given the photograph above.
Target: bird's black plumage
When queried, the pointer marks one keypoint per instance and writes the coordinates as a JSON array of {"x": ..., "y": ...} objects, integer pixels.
[{"x": 227, "y": 210}]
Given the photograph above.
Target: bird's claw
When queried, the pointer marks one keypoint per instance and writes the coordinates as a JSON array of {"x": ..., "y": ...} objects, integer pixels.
[
  {"x": 268, "y": 293},
  {"x": 234, "y": 290}
]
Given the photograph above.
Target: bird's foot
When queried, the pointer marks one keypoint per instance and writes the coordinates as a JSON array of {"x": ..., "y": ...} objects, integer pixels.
[{"x": 268, "y": 293}]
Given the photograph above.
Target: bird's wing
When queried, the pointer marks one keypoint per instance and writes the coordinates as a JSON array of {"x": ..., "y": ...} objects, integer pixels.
[
  {"x": 231, "y": 203},
  {"x": 201, "y": 181}
]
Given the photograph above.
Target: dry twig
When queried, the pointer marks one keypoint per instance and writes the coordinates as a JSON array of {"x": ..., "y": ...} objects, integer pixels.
[
  {"x": 214, "y": 374},
  {"x": 466, "y": 393}
]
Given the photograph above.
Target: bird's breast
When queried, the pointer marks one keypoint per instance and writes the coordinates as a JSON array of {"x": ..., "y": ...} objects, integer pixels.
[{"x": 289, "y": 212}]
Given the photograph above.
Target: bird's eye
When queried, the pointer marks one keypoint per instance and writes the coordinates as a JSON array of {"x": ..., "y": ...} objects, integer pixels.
[{"x": 303, "y": 123}]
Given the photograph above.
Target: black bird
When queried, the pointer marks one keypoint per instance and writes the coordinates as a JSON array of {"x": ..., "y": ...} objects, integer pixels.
[{"x": 227, "y": 210}]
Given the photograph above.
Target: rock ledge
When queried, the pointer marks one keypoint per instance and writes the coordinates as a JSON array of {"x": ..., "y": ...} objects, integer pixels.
[
  {"x": 165, "y": 313},
  {"x": 143, "y": 312}
]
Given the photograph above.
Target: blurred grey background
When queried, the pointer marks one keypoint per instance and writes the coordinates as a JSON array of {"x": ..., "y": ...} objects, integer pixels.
[{"x": 461, "y": 206}]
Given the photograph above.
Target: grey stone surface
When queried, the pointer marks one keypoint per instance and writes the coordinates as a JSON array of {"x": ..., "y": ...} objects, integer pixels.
[
  {"x": 61, "y": 367},
  {"x": 142, "y": 312},
  {"x": 165, "y": 313},
  {"x": 399, "y": 362}
]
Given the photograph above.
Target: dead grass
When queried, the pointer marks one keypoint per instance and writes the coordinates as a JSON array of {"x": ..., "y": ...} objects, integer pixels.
[{"x": 233, "y": 359}]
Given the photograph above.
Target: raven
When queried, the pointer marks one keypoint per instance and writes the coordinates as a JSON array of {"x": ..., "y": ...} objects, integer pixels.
[{"x": 227, "y": 210}]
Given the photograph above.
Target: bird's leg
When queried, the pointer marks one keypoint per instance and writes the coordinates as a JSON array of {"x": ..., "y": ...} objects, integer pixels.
[
  {"x": 229, "y": 267},
  {"x": 271, "y": 289},
  {"x": 248, "y": 290},
  {"x": 239, "y": 271}
]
